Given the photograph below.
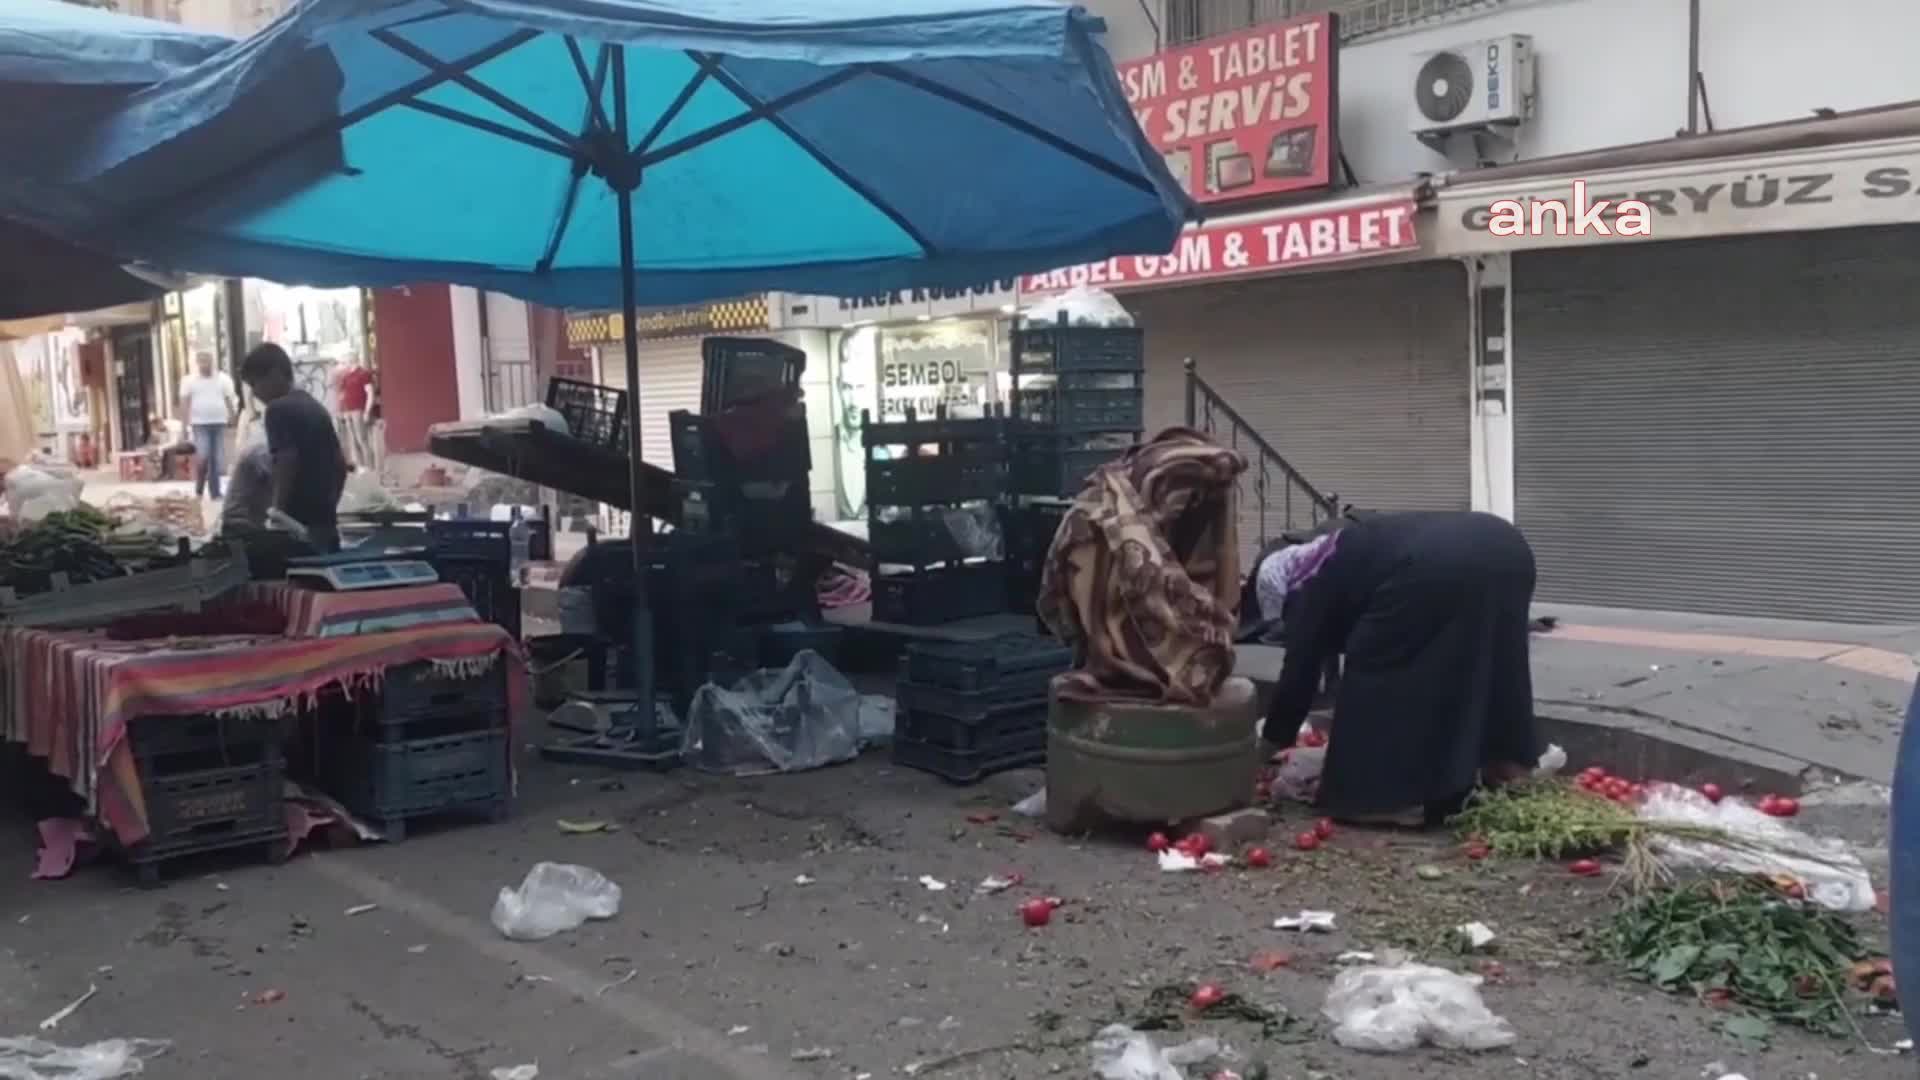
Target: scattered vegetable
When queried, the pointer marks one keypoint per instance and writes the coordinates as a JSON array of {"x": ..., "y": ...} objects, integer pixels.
[
  {"x": 1158, "y": 842},
  {"x": 1739, "y": 945},
  {"x": 1323, "y": 828},
  {"x": 1584, "y": 868},
  {"x": 1307, "y": 841},
  {"x": 1259, "y": 858},
  {"x": 1206, "y": 996},
  {"x": 1712, "y": 792},
  {"x": 1036, "y": 913},
  {"x": 1170, "y": 1008}
]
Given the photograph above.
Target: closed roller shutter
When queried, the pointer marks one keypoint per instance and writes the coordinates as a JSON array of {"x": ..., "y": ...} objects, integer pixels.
[
  {"x": 669, "y": 381},
  {"x": 1727, "y": 426},
  {"x": 1359, "y": 378}
]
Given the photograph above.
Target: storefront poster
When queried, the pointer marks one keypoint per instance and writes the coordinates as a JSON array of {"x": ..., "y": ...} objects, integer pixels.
[
  {"x": 1244, "y": 114},
  {"x": 923, "y": 370},
  {"x": 1261, "y": 245},
  {"x": 1834, "y": 187}
]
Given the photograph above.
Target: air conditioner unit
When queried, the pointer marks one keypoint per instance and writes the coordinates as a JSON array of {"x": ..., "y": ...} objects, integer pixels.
[{"x": 1482, "y": 85}]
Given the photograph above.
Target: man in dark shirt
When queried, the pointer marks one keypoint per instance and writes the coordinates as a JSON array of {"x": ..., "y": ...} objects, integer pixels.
[{"x": 309, "y": 468}]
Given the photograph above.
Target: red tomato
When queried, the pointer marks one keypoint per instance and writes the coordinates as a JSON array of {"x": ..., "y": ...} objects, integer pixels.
[
  {"x": 1712, "y": 792},
  {"x": 1158, "y": 842},
  {"x": 1770, "y": 804},
  {"x": 1636, "y": 792},
  {"x": 1786, "y": 807},
  {"x": 1307, "y": 841},
  {"x": 1593, "y": 772},
  {"x": 1323, "y": 828},
  {"x": 1206, "y": 996},
  {"x": 1312, "y": 739},
  {"x": 1036, "y": 913},
  {"x": 1198, "y": 843},
  {"x": 1476, "y": 852},
  {"x": 1259, "y": 858},
  {"x": 1584, "y": 868}
]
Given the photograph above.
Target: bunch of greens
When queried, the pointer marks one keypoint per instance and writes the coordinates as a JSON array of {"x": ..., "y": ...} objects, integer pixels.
[
  {"x": 1547, "y": 819},
  {"x": 1740, "y": 945}
]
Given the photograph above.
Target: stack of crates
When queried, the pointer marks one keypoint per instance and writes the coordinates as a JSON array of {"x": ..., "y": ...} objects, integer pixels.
[
  {"x": 1079, "y": 401},
  {"x": 477, "y": 555},
  {"x": 967, "y": 710},
  {"x": 209, "y": 783},
  {"x": 928, "y": 482},
  {"x": 429, "y": 743},
  {"x": 1029, "y": 526}
]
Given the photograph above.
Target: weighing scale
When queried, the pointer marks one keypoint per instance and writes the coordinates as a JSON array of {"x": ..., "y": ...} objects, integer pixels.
[
  {"x": 616, "y": 732},
  {"x": 348, "y": 572}
]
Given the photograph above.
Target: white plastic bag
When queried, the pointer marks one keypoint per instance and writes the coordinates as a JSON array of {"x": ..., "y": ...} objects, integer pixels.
[
  {"x": 363, "y": 494},
  {"x": 1121, "y": 1053},
  {"x": 1083, "y": 305},
  {"x": 110, "y": 1059},
  {"x": 1390, "y": 1010},
  {"x": 1298, "y": 777},
  {"x": 1833, "y": 875},
  {"x": 33, "y": 492},
  {"x": 803, "y": 716},
  {"x": 553, "y": 898},
  {"x": 545, "y": 414}
]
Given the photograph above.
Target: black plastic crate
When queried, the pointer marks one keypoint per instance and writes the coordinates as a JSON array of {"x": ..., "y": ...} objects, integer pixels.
[
  {"x": 174, "y": 745},
  {"x": 971, "y": 734},
  {"x": 975, "y": 666},
  {"x": 939, "y": 595},
  {"x": 1079, "y": 348},
  {"x": 487, "y": 585},
  {"x": 475, "y": 538},
  {"x": 191, "y": 813},
  {"x": 594, "y": 413},
  {"x": 1021, "y": 694},
  {"x": 925, "y": 536},
  {"x": 1085, "y": 401},
  {"x": 1058, "y": 465},
  {"x": 415, "y": 693},
  {"x": 1027, "y": 749},
  {"x": 742, "y": 369},
  {"x": 388, "y": 781},
  {"x": 925, "y": 479}
]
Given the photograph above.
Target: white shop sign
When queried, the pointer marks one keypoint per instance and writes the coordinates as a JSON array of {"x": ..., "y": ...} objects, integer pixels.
[
  {"x": 1831, "y": 187},
  {"x": 901, "y": 305}
]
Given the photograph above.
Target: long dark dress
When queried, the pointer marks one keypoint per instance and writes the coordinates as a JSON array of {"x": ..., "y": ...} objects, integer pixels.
[{"x": 1431, "y": 611}]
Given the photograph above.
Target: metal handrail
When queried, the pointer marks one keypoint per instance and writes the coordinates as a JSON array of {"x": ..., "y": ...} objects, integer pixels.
[{"x": 1206, "y": 408}]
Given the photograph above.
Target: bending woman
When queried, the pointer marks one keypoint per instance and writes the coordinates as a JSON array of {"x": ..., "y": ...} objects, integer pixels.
[{"x": 1430, "y": 611}]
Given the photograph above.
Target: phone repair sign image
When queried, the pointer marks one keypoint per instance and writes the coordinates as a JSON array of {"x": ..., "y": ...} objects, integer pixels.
[{"x": 1243, "y": 114}]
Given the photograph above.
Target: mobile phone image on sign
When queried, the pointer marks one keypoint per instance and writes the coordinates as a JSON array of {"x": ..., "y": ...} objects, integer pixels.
[{"x": 1291, "y": 153}]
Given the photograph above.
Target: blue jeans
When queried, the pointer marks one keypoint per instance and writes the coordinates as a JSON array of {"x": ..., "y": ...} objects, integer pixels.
[
  {"x": 209, "y": 447},
  {"x": 1905, "y": 910}
]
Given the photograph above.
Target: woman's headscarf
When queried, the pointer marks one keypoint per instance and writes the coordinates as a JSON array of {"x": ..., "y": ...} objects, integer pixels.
[{"x": 1289, "y": 568}]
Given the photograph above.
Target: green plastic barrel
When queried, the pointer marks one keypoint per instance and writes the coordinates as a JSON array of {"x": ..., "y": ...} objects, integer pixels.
[{"x": 1126, "y": 762}]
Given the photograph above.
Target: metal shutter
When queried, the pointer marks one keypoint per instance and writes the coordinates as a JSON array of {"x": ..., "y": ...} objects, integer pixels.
[
  {"x": 1357, "y": 377},
  {"x": 669, "y": 381},
  {"x": 1726, "y": 426}
]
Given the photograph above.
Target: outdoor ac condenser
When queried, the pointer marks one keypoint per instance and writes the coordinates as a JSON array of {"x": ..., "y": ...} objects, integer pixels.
[{"x": 1477, "y": 86}]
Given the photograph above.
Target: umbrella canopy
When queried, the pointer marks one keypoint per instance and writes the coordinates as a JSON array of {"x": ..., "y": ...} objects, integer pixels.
[
  {"x": 71, "y": 62},
  {"x": 838, "y": 146}
]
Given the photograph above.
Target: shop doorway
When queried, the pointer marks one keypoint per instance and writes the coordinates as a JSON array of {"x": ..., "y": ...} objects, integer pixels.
[{"x": 133, "y": 382}]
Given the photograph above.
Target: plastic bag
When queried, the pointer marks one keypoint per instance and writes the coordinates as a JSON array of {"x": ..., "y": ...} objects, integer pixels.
[
  {"x": 877, "y": 717},
  {"x": 1833, "y": 875},
  {"x": 802, "y": 716},
  {"x": 545, "y": 414},
  {"x": 552, "y": 898},
  {"x": 1033, "y": 806},
  {"x": 37, "y": 1059},
  {"x": 1121, "y": 1053},
  {"x": 1391, "y": 1010},
  {"x": 1298, "y": 777},
  {"x": 364, "y": 495},
  {"x": 1082, "y": 305},
  {"x": 33, "y": 492}
]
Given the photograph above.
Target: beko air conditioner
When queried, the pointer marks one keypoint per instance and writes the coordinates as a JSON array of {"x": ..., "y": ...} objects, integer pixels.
[{"x": 1479, "y": 86}]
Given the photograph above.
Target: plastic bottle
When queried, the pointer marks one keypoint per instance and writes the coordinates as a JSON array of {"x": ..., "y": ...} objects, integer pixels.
[{"x": 519, "y": 549}]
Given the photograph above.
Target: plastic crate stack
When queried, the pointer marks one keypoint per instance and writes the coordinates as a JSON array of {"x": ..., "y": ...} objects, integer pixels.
[
  {"x": 967, "y": 710},
  {"x": 209, "y": 784},
  {"x": 930, "y": 484},
  {"x": 427, "y": 744},
  {"x": 1028, "y": 526},
  {"x": 478, "y": 556},
  {"x": 595, "y": 414},
  {"x": 1079, "y": 401}
]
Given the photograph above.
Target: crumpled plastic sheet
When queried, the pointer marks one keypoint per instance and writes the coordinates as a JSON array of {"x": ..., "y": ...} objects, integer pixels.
[
  {"x": 1121, "y": 1053},
  {"x": 551, "y": 899},
  {"x": 1083, "y": 305},
  {"x": 1393, "y": 1009},
  {"x": 803, "y": 716},
  {"x": 1833, "y": 875},
  {"x": 109, "y": 1059}
]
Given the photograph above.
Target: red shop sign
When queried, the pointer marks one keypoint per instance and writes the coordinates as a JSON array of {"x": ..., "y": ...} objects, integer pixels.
[
  {"x": 1276, "y": 242},
  {"x": 1243, "y": 114}
]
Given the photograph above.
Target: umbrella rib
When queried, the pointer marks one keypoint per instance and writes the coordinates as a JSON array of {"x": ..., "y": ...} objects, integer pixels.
[
  {"x": 733, "y": 124},
  {"x": 855, "y": 185},
  {"x": 592, "y": 84},
  {"x": 705, "y": 68},
  {"x": 491, "y": 128},
  {"x": 1025, "y": 127},
  {"x": 460, "y": 78}
]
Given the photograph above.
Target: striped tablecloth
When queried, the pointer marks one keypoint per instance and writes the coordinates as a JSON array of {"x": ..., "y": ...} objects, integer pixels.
[
  {"x": 317, "y": 613},
  {"x": 69, "y": 695}
]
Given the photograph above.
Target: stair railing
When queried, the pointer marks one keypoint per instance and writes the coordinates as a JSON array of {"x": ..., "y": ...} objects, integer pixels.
[{"x": 1271, "y": 477}]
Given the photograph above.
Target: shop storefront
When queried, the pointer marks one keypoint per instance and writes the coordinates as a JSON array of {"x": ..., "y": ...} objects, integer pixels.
[
  {"x": 1724, "y": 417},
  {"x": 913, "y": 349}
]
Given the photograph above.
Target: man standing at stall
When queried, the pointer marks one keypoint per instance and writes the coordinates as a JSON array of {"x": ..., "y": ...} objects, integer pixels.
[
  {"x": 309, "y": 468},
  {"x": 207, "y": 404}
]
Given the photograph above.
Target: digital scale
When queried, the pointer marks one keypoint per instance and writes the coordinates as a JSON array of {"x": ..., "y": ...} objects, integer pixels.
[{"x": 336, "y": 576}]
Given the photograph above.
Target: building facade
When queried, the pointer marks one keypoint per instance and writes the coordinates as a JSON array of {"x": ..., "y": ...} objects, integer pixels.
[{"x": 1678, "y": 420}]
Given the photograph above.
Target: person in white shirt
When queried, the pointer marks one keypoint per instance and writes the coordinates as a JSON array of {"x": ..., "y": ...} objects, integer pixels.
[{"x": 207, "y": 400}]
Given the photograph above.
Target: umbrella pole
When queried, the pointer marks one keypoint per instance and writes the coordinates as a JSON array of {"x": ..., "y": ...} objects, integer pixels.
[{"x": 639, "y": 524}]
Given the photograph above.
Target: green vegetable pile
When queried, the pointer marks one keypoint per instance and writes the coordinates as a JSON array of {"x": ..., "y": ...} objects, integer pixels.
[
  {"x": 1546, "y": 819},
  {"x": 1741, "y": 946},
  {"x": 82, "y": 543}
]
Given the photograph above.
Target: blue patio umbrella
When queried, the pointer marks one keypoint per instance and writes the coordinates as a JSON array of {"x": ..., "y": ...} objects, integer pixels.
[
  {"x": 602, "y": 153},
  {"x": 63, "y": 64}
]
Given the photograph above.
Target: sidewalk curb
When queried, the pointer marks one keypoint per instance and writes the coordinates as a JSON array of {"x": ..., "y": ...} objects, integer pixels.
[{"x": 1642, "y": 745}]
